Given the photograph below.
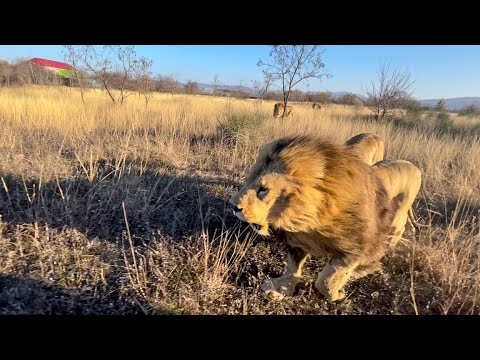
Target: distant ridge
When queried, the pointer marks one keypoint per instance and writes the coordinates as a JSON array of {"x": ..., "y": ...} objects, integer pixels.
[
  {"x": 451, "y": 104},
  {"x": 454, "y": 103}
]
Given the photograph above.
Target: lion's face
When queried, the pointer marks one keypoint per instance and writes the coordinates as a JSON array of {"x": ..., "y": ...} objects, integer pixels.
[
  {"x": 259, "y": 200},
  {"x": 254, "y": 201},
  {"x": 275, "y": 191},
  {"x": 278, "y": 109}
]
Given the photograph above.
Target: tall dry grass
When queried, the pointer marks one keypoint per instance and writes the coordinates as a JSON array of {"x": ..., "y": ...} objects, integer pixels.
[{"x": 126, "y": 205}]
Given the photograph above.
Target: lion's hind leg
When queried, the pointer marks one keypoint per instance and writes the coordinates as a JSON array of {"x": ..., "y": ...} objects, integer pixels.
[{"x": 285, "y": 284}]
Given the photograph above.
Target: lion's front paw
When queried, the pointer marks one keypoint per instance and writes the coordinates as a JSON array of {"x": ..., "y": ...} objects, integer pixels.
[
  {"x": 331, "y": 295},
  {"x": 279, "y": 287}
]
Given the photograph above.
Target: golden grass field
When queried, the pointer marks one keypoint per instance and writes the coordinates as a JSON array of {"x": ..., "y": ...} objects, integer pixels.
[{"x": 122, "y": 209}]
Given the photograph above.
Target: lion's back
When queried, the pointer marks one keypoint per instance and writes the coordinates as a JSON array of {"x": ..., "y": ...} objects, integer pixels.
[{"x": 369, "y": 147}]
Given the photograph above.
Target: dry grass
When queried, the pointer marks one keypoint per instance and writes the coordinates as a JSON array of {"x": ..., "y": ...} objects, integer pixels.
[{"x": 122, "y": 209}]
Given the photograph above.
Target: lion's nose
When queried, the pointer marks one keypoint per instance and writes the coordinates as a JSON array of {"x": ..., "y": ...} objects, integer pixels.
[{"x": 236, "y": 209}]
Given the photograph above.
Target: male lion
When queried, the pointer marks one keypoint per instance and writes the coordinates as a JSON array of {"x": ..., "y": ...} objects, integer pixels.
[
  {"x": 402, "y": 180},
  {"x": 321, "y": 199},
  {"x": 369, "y": 147},
  {"x": 316, "y": 106},
  {"x": 278, "y": 110}
]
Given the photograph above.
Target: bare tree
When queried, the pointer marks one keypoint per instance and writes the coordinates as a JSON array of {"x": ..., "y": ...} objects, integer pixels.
[
  {"x": 167, "y": 84},
  {"x": 348, "y": 99},
  {"x": 217, "y": 82},
  {"x": 261, "y": 87},
  {"x": 145, "y": 83},
  {"x": 6, "y": 71},
  {"x": 291, "y": 64},
  {"x": 73, "y": 55},
  {"x": 24, "y": 72},
  {"x": 114, "y": 66},
  {"x": 130, "y": 65},
  {"x": 191, "y": 87},
  {"x": 441, "y": 105},
  {"x": 393, "y": 87},
  {"x": 100, "y": 63},
  {"x": 324, "y": 97}
]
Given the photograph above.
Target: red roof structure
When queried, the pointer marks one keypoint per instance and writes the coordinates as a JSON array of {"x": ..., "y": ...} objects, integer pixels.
[{"x": 51, "y": 63}]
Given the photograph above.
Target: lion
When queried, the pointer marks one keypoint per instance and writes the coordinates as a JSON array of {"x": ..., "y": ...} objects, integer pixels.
[
  {"x": 369, "y": 147},
  {"x": 278, "y": 110},
  {"x": 316, "y": 106},
  {"x": 320, "y": 199},
  {"x": 402, "y": 180}
]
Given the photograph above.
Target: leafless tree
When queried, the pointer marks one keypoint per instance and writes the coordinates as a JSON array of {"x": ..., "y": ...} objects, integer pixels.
[
  {"x": 261, "y": 87},
  {"x": 348, "y": 99},
  {"x": 167, "y": 84},
  {"x": 217, "y": 82},
  {"x": 393, "y": 87},
  {"x": 22, "y": 71},
  {"x": 100, "y": 62},
  {"x": 191, "y": 87},
  {"x": 441, "y": 105},
  {"x": 114, "y": 66},
  {"x": 6, "y": 71},
  {"x": 290, "y": 65},
  {"x": 130, "y": 66},
  {"x": 324, "y": 97},
  {"x": 73, "y": 55},
  {"x": 145, "y": 83}
]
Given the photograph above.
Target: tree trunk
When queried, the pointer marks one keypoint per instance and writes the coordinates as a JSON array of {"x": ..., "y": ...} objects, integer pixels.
[
  {"x": 80, "y": 85},
  {"x": 285, "y": 103}
]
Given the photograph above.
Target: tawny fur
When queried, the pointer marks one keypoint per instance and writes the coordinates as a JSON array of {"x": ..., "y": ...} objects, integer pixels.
[
  {"x": 316, "y": 106},
  {"x": 278, "y": 110},
  {"x": 369, "y": 147},
  {"x": 402, "y": 180},
  {"x": 322, "y": 199}
]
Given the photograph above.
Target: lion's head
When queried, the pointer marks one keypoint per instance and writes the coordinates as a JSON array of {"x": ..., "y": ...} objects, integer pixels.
[{"x": 278, "y": 110}]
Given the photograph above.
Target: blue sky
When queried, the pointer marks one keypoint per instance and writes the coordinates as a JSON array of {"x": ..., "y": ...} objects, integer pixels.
[{"x": 439, "y": 71}]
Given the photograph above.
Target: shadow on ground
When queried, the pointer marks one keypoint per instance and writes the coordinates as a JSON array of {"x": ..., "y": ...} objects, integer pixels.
[
  {"x": 168, "y": 205},
  {"x": 23, "y": 296}
]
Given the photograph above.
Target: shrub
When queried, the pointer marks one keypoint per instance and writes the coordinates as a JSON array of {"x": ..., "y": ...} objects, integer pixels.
[
  {"x": 242, "y": 127},
  {"x": 443, "y": 121},
  {"x": 414, "y": 110}
]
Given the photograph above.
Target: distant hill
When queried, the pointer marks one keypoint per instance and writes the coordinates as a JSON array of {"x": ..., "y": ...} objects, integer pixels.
[
  {"x": 226, "y": 87},
  {"x": 453, "y": 103},
  {"x": 250, "y": 91}
]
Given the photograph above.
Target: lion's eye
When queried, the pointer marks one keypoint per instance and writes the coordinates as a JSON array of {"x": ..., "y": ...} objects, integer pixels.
[{"x": 262, "y": 191}]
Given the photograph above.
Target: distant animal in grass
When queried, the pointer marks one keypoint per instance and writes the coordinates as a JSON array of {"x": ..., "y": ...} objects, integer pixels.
[{"x": 278, "y": 110}]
